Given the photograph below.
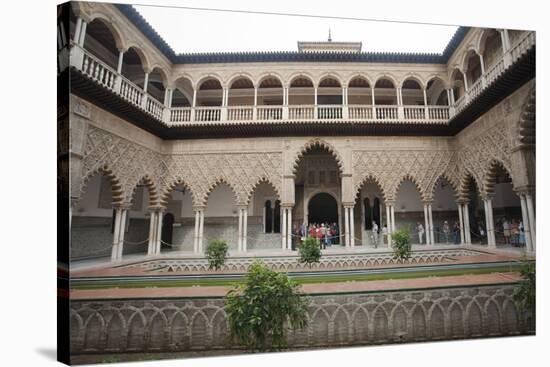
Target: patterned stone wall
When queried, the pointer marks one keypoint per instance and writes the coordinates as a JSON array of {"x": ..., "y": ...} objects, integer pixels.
[
  {"x": 472, "y": 153},
  {"x": 104, "y": 326}
]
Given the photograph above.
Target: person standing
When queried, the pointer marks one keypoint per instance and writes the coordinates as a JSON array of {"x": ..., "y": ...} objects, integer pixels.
[
  {"x": 507, "y": 231},
  {"x": 420, "y": 230},
  {"x": 456, "y": 233},
  {"x": 446, "y": 231},
  {"x": 514, "y": 230},
  {"x": 375, "y": 234},
  {"x": 385, "y": 237},
  {"x": 521, "y": 229}
]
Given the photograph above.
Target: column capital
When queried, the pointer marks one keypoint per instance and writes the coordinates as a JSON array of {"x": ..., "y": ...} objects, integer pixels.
[
  {"x": 199, "y": 208},
  {"x": 389, "y": 202},
  {"x": 289, "y": 176},
  {"x": 287, "y": 205},
  {"x": 242, "y": 206},
  {"x": 122, "y": 206},
  {"x": 157, "y": 208},
  {"x": 427, "y": 202},
  {"x": 525, "y": 190},
  {"x": 348, "y": 205},
  {"x": 488, "y": 196}
]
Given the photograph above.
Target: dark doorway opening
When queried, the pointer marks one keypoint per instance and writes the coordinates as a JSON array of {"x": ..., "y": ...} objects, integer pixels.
[
  {"x": 322, "y": 208},
  {"x": 167, "y": 229}
]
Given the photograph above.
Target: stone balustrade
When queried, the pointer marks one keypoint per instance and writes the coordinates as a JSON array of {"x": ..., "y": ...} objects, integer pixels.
[{"x": 109, "y": 78}]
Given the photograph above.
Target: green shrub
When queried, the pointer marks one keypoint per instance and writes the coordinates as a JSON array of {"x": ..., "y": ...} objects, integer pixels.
[
  {"x": 216, "y": 253},
  {"x": 525, "y": 292},
  {"x": 401, "y": 245},
  {"x": 260, "y": 310},
  {"x": 310, "y": 251}
]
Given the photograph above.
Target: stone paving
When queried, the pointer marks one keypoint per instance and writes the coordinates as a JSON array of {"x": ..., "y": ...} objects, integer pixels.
[{"x": 318, "y": 288}]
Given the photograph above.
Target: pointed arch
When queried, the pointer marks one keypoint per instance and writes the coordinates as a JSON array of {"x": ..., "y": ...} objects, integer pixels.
[
  {"x": 372, "y": 178},
  {"x": 113, "y": 28},
  {"x": 414, "y": 180},
  {"x": 341, "y": 325},
  {"x": 475, "y": 319},
  {"x": 464, "y": 185},
  {"x": 163, "y": 74},
  {"x": 167, "y": 191},
  {"x": 211, "y": 76},
  {"x": 437, "y": 321},
  {"x": 317, "y": 143},
  {"x": 489, "y": 179},
  {"x": 221, "y": 181},
  {"x": 268, "y": 75},
  {"x": 151, "y": 187},
  {"x": 320, "y": 327},
  {"x": 144, "y": 59},
  {"x": 261, "y": 180},
  {"x": 328, "y": 76},
  {"x": 116, "y": 186},
  {"x": 430, "y": 194},
  {"x": 300, "y": 74},
  {"x": 240, "y": 75},
  {"x": 360, "y": 324},
  {"x": 387, "y": 76},
  {"x": 360, "y": 76},
  {"x": 115, "y": 331},
  {"x": 413, "y": 76}
]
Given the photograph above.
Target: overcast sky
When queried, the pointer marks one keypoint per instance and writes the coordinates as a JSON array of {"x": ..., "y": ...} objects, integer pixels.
[{"x": 188, "y": 30}]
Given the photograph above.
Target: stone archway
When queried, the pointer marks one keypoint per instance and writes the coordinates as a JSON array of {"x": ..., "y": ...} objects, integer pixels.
[{"x": 322, "y": 208}]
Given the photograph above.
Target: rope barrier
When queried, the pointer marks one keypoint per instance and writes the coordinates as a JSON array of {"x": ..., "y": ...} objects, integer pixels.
[{"x": 135, "y": 243}]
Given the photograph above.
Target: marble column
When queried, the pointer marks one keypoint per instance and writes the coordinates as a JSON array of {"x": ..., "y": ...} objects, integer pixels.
[
  {"x": 289, "y": 228},
  {"x": 461, "y": 222},
  {"x": 152, "y": 233},
  {"x": 529, "y": 244},
  {"x": 158, "y": 239},
  {"x": 490, "y": 223},
  {"x": 352, "y": 226},
  {"x": 346, "y": 226},
  {"x": 240, "y": 231},
  {"x": 196, "y": 234},
  {"x": 116, "y": 234},
  {"x": 532, "y": 220},
  {"x": 431, "y": 232},
  {"x": 427, "y": 223},
  {"x": 244, "y": 244},
  {"x": 466, "y": 218},
  {"x": 388, "y": 223},
  {"x": 283, "y": 228}
]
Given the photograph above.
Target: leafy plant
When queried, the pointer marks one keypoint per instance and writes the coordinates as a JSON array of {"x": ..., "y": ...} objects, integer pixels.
[
  {"x": 216, "y": 253},
  {"x": 310, "y": 251},
  {"x": 401, "y": 245},
  {"x": 525, "y": 292},
  {"x": 260, "y": 309}
]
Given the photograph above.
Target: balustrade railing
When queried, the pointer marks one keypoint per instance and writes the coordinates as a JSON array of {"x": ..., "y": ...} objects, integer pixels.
[
  {"x": 496, "y": 69},
  {"x": 240, "y": 113},
  {"x": 386, "y": 112},
  {"x": 131, "y": 92},
  {"x": 98, "y": 71},
  {"x": 329, "y": 112},
  {"x": 440, "y": 113},
  {"x": 414, "y": 112},
  {"x": 360, "y": 112},
  {"x": 154, "y": 107},
  {"x": 476, "y": 88},
  {"x": 301, "y": 112},
  {"x": 270, "y": 113},
  {"x": 207, "y": 113},
  {"x": 180, "y": 114},
  {"x": 106, "y": 76}
]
